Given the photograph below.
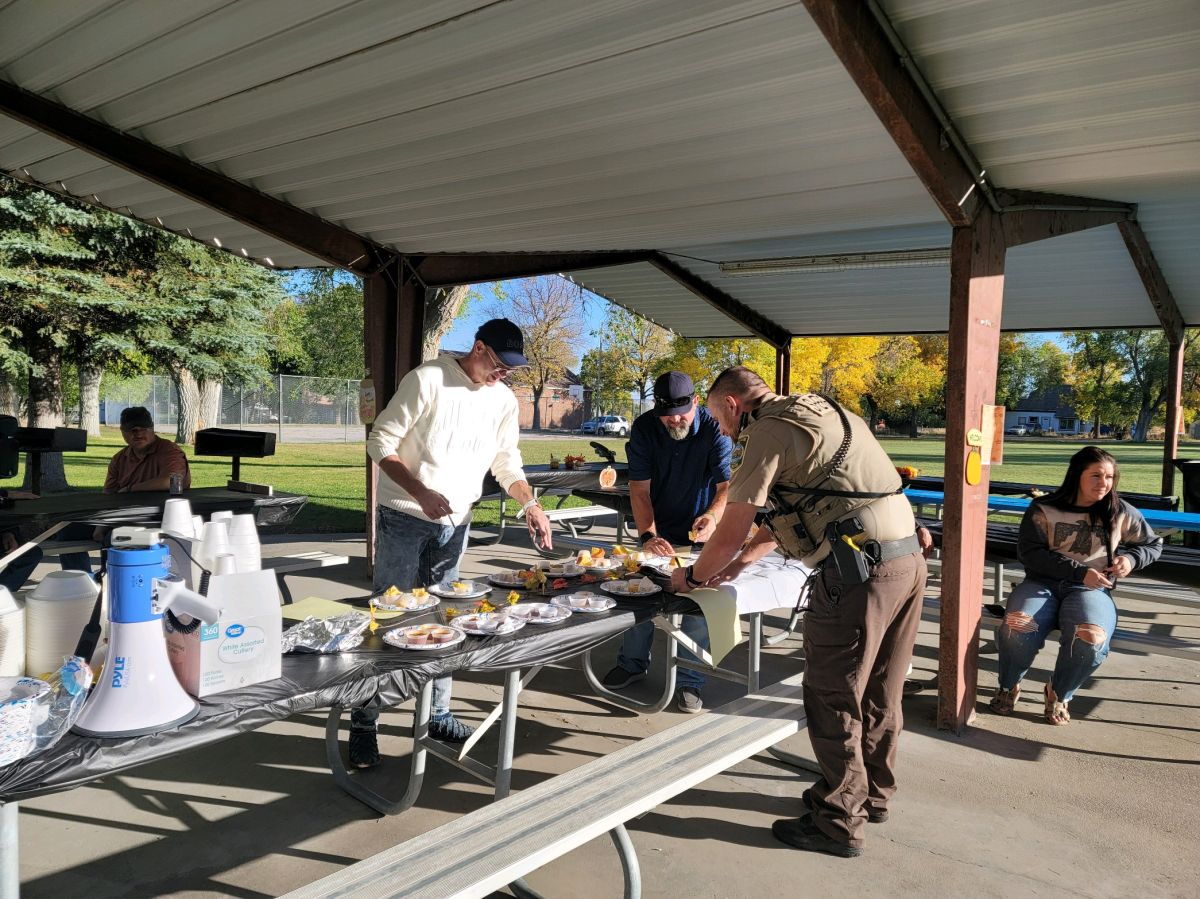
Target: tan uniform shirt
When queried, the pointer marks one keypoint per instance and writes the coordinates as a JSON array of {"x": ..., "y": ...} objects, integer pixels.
[
  {"x": 769, "y": 455},
  {"x": 164, "y": 458}
]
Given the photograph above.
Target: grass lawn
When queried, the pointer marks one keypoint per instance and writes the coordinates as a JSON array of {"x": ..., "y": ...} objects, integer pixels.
[{"x": 331, "y": 474}]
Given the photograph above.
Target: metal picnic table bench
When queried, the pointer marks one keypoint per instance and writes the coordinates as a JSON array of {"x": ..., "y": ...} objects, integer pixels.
[{"x": 498, "y": 845}]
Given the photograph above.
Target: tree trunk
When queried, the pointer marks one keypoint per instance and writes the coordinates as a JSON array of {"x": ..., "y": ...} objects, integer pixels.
[
  {"x": 1143, "y": 422},
  {"x": 90, "y": 374},
  {"x": 189, "y": 405},
  {"x": 46, "y": 411},
  {"x": 210, "y": 404},
  {"x": 441, "y": 308},
  {"x": 914, "y": 424},
  {"x": 538, "y": 390},
  {"x": 10, "y": 400}
]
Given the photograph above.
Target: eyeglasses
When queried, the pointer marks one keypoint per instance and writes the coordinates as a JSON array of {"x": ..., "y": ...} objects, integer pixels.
[
  {"x": 671, "y": 403},
  {"x": 498, "y": 367}
]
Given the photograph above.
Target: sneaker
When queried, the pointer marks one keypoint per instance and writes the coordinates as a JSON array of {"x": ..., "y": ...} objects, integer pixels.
[
  {"x": 448, "y": 729},
  {"x": 364, "y": 748},
  {"x": 619, "y": 678},
  {"x": 804, "y": 834},
  {"x": 687, "y": 699},
  {"x": 878, "y": 816}
]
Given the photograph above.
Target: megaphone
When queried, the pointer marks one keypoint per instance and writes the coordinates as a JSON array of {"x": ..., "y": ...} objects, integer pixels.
[{"x": 137, "y": 693}]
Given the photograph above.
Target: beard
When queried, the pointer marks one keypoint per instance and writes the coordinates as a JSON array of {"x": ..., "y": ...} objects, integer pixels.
[{"x": 679, "y": 433}]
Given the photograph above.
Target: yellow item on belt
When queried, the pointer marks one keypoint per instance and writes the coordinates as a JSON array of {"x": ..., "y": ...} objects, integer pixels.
[{"x": 854, "y": 546}]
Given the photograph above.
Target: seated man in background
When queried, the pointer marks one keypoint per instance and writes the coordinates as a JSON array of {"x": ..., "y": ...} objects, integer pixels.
[
  {"x": 144, "y": 465},
  {"x": 147, "y": 462},
  {"x": 678, "y": 480}
]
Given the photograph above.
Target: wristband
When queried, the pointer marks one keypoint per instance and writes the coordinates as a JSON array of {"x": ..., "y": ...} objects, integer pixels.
[
  {"x": 529, "y": 505},
  {"x": 687, "y": 577},
  {"x": 647, "y": 536}
]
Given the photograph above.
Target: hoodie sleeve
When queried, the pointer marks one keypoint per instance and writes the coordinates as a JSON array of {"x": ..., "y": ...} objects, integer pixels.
[
  {"x": 403, "y": 409},
  {"x": 1033, "y": 548},
  {"x": 1137, "y": 539},
  {"x": 507, "y": 466}
]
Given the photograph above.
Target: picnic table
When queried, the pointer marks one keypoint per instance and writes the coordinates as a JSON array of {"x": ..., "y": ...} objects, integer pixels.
[
  {"x": 1172, "y": 521},
  {"x": 113, "y": 509}
]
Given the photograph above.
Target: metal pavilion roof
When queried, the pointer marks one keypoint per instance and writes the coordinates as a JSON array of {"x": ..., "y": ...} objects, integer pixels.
[{"x": 711, "y": 130}]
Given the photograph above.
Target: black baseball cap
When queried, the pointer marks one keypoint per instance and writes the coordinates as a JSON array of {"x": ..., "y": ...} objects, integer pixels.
[
  {"x": 673, "y": 393},
  {"x": 504, "y": 339},
  {"x": 136, "y": 417}
]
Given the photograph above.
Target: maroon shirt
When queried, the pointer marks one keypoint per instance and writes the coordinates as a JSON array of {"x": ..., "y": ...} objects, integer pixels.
[{"x": 165, "y": 458}]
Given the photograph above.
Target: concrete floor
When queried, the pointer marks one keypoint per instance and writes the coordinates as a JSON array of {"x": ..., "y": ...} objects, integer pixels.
[{"x": 1103, "y": 807}]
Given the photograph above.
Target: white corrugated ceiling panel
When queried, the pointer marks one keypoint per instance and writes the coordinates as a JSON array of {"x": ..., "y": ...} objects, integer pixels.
[
  {"x": 713, "y": 129},
  {"x": 1099, "y": 99},
  {"x": 466, "y": 126}
]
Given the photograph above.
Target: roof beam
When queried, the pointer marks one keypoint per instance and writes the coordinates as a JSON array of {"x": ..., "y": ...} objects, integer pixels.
[
  {"x": 1152, "y": 278},
  {"x": 888, "y": 79},
  {"x": 1028, "y": 215},
  {"x": 300, "y": 229},
  {"x": 445, "y": 269},
  {"x": 757, "y": 323}
]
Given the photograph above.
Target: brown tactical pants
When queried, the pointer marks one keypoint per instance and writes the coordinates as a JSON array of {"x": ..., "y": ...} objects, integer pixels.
[{"x": 858, "y": 642}]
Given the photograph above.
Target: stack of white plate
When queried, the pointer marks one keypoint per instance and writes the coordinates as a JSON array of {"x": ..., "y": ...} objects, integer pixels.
[
  {"x": 12, "y": 635},
  {"x": 243, "y": 543},
  {"x": 56, "y": 611}
]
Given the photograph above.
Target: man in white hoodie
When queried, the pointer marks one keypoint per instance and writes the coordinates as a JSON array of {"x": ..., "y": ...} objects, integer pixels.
[{"x": 450, "y": 421}]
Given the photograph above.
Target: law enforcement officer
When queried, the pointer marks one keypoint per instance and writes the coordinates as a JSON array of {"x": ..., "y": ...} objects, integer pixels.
[{"x": 835, "y": 502}]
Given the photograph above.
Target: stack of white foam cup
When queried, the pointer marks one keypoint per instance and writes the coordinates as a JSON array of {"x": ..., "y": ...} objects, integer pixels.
[
  {"x": 178, "y": 519},
  {"x": 214, "y": 541},
  {"x": 244, "y": 544}
]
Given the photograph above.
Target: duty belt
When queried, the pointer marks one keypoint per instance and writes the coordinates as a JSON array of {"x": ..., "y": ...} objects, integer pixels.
[{"x": 892, "y": 549}]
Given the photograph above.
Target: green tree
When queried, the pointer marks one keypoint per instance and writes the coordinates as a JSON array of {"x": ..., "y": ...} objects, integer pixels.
[
  {"x": 56, "y": 285},
  {"x": 1096, "y": 376},
  {"x": 332, "y": 332},
  {"x": 205, "y": 323}
]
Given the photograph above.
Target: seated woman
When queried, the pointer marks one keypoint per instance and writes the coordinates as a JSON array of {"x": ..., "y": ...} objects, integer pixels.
[{"x": 1074, "y": 543}]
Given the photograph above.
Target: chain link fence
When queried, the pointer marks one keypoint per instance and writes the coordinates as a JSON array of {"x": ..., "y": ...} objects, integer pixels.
[{"x": 298, "y": 409}]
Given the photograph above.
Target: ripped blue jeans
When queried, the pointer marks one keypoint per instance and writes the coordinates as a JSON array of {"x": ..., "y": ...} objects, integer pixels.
[{"x": 1085, "y": 618}]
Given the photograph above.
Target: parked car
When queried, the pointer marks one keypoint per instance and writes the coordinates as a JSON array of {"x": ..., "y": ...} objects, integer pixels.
[
  {"x": 607, "y": 424},
  {"x": 1018, "y": 431}
]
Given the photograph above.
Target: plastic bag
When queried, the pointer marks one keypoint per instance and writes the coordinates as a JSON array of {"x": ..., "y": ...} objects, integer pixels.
[{"x": 35, "y": 714}]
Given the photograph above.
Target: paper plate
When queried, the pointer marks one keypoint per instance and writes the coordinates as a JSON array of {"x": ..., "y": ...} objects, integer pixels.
[
  {"x": 508, "y": 579},
  {"x": 389, "y": 603},
  {"x": 621, "y": 588},
  {"x": 540, "y": 612},
  {"x": 596, "y": 603},
  {"x": 476, "y": 590},
  {"x": 489, "y": 624},
  {"x": 398, "y": 637}
]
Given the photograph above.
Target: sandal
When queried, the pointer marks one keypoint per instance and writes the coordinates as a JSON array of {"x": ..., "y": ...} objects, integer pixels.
[
  {"x": 1004, "y": 700},
  {"x": 1056, "y": 712}
]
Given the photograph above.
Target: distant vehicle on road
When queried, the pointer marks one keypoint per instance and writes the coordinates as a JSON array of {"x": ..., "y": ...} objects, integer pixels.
[
  {"x": 607, "y": 424},
  {"x": 1018, "y": 431}
]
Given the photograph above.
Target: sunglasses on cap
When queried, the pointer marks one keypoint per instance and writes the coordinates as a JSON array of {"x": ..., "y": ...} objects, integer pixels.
[{"x": 672, "y": 402}]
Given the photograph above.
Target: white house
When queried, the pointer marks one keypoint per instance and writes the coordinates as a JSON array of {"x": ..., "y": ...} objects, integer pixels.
[{"x": 1047, "y": 412}]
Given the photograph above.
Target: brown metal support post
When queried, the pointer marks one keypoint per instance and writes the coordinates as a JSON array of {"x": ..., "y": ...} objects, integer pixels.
[
  {"x": 783, "y": 370},
  {"x": 393, "y": 323},
  {"x": 976, "y": 298},
  {"x": 1174, "y": 415}
]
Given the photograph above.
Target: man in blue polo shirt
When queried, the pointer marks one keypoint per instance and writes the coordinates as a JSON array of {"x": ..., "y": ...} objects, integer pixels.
[{"x": 678, "y": 478}]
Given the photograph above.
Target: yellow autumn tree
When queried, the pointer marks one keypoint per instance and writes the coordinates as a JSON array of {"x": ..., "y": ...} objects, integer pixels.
[{"x": 904, "y": 377}]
